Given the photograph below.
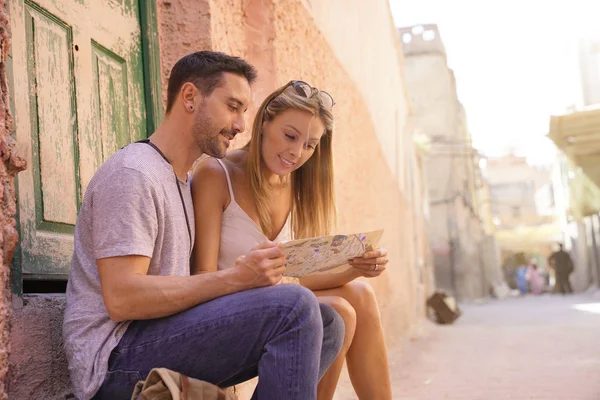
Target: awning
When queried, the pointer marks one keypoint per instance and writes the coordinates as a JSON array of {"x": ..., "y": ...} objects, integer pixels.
[
  {"x": 584, "y": 194},
  {"x": 578, "y": 135}
]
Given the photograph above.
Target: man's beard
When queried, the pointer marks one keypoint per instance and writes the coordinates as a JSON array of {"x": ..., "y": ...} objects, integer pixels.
[{"x": 203, "y": 132}]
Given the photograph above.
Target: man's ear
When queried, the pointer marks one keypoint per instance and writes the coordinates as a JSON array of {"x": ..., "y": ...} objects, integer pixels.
[{"x": 189, "y": 93}]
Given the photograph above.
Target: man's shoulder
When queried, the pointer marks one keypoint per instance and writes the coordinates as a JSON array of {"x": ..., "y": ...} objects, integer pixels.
[
  {"x": 567, "y": 254},
  {"x": 135, "y": 162}
]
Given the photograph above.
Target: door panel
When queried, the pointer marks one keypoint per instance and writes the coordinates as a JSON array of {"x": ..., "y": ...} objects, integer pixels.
[
  {"x": 110, "y": 71},
  {"x": 78, "y": 91},
  {"x": 54, "y": 155}
]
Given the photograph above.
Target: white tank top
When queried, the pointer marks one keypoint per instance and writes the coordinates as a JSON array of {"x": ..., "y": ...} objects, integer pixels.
[{"x": 239, "y": 233}]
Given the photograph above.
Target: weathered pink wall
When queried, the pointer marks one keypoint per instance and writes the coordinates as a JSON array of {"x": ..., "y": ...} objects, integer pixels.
[
  {"x": 10, "y": 164},
  {"x": 184, "y": 27},
  {"x": 281, "y": 39},
  {"x": 368, "y": 195}
]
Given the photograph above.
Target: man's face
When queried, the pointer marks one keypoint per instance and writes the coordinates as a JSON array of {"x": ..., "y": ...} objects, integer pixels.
[{"x": 220, "y": 116}]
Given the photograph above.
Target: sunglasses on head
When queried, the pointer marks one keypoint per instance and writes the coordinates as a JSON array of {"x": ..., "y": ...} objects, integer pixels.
[{"x": 303, "y": 89}]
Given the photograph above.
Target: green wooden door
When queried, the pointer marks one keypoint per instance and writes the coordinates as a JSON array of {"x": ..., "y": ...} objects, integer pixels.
[{"x": 78, "y": 95}]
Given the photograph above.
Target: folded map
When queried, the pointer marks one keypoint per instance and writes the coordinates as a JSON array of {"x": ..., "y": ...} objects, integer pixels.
[{"x": 318, "y": 254}]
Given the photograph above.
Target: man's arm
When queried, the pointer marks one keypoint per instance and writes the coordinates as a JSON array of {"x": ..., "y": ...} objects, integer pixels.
[
  {"x": 125, "y": 228},
  {"x": 130, "y": 294}
]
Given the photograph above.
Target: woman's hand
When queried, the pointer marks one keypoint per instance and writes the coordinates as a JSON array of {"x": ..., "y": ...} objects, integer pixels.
[{"x": 371, "y": 264}]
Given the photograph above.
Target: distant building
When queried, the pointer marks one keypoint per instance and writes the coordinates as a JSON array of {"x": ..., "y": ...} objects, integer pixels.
[
  {"x": 523, "y": 208},
  {"x": 520, "y": 194},
  {"x": 460, "y": 229}
]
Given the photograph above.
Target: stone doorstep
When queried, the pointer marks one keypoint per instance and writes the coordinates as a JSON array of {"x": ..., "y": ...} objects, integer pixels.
[{"x": 37, "y": 365}]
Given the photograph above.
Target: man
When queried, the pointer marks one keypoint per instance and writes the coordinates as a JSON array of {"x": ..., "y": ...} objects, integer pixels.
[
  {"x": 131, "y": 302},
  {"x": 562, "y": 264}
]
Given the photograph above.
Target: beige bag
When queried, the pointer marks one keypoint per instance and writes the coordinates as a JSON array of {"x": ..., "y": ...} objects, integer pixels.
[{"x": 164, "y": 384}]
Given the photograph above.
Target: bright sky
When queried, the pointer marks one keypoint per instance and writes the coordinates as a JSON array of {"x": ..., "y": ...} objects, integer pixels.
[{"x": 516, "y": 63}]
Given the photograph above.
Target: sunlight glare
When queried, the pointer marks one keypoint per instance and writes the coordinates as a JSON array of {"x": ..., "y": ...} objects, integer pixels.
[{"x": 593, "y": 308}]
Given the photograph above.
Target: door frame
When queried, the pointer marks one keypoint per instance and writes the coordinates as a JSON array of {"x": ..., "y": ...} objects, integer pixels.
[
  {"x": 154, "y": 112},
  {"x": 151, "y": 64}
]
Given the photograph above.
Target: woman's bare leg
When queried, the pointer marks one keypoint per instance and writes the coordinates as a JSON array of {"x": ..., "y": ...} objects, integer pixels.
[
  {"x": 328, "y": 383},
  {"x": 367, "y": 356}
]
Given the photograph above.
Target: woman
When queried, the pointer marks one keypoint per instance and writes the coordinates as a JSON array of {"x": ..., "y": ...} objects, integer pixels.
[
  {"x": 278, "y": 187},
  {"x": 534, "y": 277}
]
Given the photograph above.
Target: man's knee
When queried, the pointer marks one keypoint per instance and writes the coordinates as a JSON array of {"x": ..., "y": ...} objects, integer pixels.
[
  {"x": 296, "y": 302},
  {"x": 331, "y": 318},
  {"x": 345, "y": 310},
  {"x": 295, "y": 295}
]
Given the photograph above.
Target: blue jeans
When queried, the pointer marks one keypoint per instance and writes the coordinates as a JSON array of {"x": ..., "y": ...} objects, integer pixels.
[{"x": 280, "y": 333}]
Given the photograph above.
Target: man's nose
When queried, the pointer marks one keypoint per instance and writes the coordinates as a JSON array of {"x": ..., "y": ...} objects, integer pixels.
[{"x": 239, "y": 125}]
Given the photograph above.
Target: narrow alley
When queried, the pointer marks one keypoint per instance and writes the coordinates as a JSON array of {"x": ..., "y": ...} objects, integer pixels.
[
  {"x": 538, "y": 348},
  {"x": 378, "y": 152}
]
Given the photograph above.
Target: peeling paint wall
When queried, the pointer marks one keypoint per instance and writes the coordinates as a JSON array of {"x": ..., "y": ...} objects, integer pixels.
[{"x": 10, "y": 164}]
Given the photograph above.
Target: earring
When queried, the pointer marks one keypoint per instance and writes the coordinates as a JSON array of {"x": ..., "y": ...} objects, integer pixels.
[{"x": 191, "y": 108}]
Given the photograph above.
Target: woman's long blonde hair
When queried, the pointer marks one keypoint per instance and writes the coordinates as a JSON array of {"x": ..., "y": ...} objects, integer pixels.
[{"x": 313, "y": 199}]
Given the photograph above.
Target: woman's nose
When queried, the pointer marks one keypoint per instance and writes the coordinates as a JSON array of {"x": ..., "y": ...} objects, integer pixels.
[{"x": 296, "y": 150}]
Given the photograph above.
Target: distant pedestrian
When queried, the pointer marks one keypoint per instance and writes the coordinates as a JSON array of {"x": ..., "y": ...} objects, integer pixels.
[
  {"x": 521, "y": 278},
  {"x": 562, "y": 264},
  {"x": 534, "y": 277}
]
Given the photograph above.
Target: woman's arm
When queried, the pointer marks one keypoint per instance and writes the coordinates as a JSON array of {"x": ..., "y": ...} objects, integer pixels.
[
  {"x": 211, "y": 196},
  {"x": 330, "y": 281}
]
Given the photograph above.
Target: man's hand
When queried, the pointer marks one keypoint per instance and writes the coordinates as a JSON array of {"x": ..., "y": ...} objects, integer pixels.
[
  {"x": 371, "y": 264},
  {"x": 262, "y": 266}
]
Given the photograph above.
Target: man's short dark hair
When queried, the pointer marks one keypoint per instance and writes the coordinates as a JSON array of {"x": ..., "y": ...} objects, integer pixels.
[{"x": 205, "y": 70}]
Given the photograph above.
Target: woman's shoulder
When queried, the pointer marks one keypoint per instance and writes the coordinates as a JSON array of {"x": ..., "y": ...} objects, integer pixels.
[
  {"x": 237, "y": 158},
  {"x": 208, "y": 175},
  {"x": 208, "y": 167}
]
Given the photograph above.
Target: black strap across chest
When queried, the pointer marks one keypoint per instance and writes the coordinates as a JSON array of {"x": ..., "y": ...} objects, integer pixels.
[{"x": 187, "y": 220}]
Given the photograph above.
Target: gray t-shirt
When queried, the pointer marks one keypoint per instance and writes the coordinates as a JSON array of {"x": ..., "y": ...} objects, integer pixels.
[{"x": 131, "y": 207}]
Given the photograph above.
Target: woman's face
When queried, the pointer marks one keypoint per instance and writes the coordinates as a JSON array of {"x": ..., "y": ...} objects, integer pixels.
[{"x": 289, "y": 140}]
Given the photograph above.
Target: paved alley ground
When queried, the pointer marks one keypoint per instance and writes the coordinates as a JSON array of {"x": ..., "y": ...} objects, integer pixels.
[{"x": 538, "y": 348}]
